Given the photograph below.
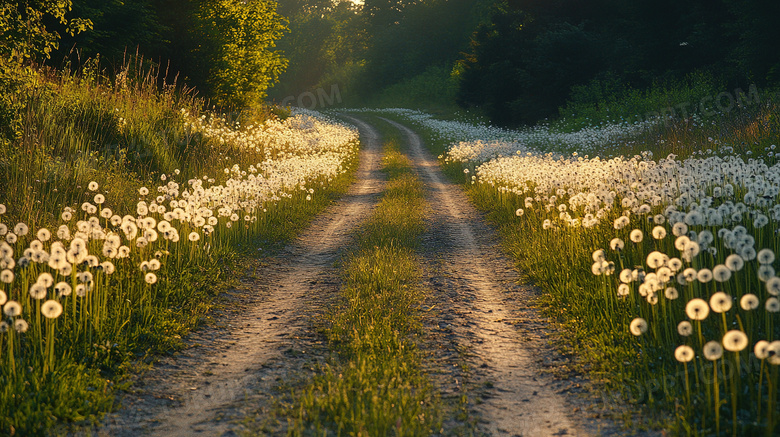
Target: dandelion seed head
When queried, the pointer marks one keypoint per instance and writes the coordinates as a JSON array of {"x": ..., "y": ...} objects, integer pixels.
[
  {"x": 21, "y": 229},
  {"x": 765, "y": 272},
  {"x": 703, "y": 275},
  {"x": 684, "y": 353},
  {"x": 616, "y": 244},
  {"x": 749, "y": 302},
  {"x": 45, "y": 279},
  {"x": 21, "y": 326},
  {"x": 685, "y": 328},
  {"x": 766, "y": 256},
  {"x": 679, "y": 229},
  {"x": 734, "y": 262},
  {"x": 735, "y": 341},
  {"x": 12, "y": 308},
  {"x": 6, "y": 276},
  {"x": 697, "y": 309},
  {"x": 721, "y": 273},
  {"x": 638, "y": 326},
  {"x": 659, "y": 232},
  {"x": 773, "y": 352},
  {"x": 761, "y": 349},
  {"x": 43, "y": 234},
  {"x": 37, "y": 291},
  {"x": 62, "y": 289},
  {"x": 712, "y": 350},
  {"x": 150, "y": 278},
  {"x": 772, "y": 305},
  {"x": 51, "y": 309}
]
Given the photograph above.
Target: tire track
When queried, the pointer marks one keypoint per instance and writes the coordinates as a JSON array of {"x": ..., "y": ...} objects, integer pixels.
[
  {"x": 484, "y": 313},
  {"x": 266, "y": 334}
]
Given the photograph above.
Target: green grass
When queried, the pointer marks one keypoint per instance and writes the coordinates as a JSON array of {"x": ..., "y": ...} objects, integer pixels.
[
  {"x": 640, "y": 375},
  {"x": 375, "y": 385},
  {"x": 76, "y": 129}
]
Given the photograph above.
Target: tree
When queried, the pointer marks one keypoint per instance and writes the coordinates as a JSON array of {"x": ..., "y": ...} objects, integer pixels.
[
  {"x": 23, "y": 31},
  {"x": 237, "y": 38},
  {"x": 24, "y": 37},
  {"x": 118, "y": 28}
]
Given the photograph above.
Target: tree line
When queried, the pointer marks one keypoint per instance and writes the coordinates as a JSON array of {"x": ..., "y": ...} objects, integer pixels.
[
  {"x": 519, "y": 61},
  {"x": 224, "y": 48}
]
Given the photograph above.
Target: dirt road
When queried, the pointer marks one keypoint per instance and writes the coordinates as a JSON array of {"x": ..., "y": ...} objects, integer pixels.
[
  {"x": 486, "y": 344},
  {"x": 265, "y": 334},
  {"x": 484, "y": 320}
]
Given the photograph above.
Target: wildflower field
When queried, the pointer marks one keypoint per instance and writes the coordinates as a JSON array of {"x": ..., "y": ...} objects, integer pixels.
[
  {"x": 123, "y": 210},
  {"x": 654, "y": 243}
]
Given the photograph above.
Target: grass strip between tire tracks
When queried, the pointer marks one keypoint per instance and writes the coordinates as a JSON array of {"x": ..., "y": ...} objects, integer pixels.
[{"x": 375, "y": 384}]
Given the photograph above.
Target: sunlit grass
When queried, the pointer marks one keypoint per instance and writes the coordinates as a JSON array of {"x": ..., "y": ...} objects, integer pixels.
[
  {"x": 123, "y": 213},
  {"x": 375, "y": 386},
  {"x": 625, "y": 252}
]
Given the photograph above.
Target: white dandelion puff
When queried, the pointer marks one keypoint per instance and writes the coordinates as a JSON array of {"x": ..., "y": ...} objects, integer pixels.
[
  {"x": 51, "y": 309},
  {"x": 721, "y": 273},
  {"x": 761, "y": 349},
  {"x": 63, "y": 289},
  {"x": 37, "y": 291},
  {"x": 772, "y": 305},
  {"x": 704, "y": 275},
  {"x": 713, "y": 350},
  {"x": 749, "y": 302},
  {"x": 684, "y": 353},
  {"x": 697, "y": 309},
  {"x": 720, "y": 302},
  {"x": 638, "y": 326},
  {"x": 12, "y": 308},
  {"x": 21, "y": 326},
  {"x": 734, "y": 262},
  {"x": 773, "y": 286},
  {"x": 685, "y": 328},
  {"x": 735, "y": 340},
  {"x": 43, "y": 234}
]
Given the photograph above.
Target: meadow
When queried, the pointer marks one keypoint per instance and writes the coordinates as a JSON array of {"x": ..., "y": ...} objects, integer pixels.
[
  {"x": 125, "y": 209},
  {"x": 653, "y": 242}
]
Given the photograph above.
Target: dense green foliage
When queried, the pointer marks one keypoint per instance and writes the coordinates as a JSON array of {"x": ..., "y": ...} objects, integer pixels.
[
  {"x": 525, "y": 61},
  {"x": 365, "y": 49},
  {"x": 225, "y": 48}
]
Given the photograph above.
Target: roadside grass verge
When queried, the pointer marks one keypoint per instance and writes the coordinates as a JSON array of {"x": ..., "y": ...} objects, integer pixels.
[
  {"x": 374, "y": 385},
  {"x": 76, "y": 130},
  {"x": 662, "y": 376}
]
